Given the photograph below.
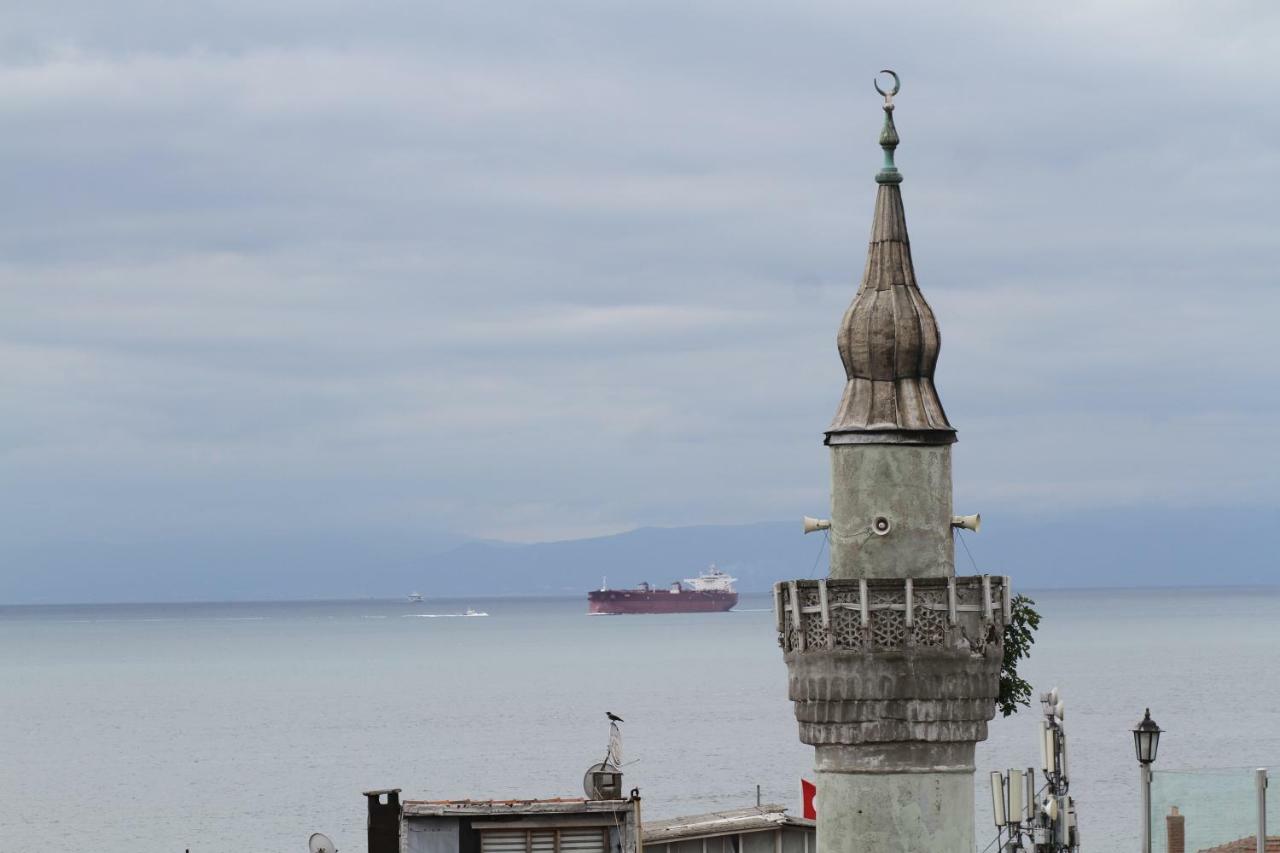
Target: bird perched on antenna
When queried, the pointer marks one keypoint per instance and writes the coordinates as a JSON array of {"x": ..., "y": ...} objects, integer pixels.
[{"x": 613, "y": 755}]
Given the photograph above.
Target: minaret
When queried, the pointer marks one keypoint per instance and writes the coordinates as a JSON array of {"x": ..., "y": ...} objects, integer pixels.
[
  {"x": 893, "y": 661},
  {"x": 890, "y": 440}
]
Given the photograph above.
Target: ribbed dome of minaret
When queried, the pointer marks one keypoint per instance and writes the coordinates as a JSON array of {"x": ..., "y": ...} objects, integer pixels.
[{"x": 889, "y": 339}]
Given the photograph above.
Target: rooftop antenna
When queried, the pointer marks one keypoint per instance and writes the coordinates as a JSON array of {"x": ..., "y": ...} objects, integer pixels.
[
  {"x": 613, "y": 754},
  {"x": 1044, "y": 820},
  {"x": 603, "y": 781},
  {"x": 321, "y": 843}
]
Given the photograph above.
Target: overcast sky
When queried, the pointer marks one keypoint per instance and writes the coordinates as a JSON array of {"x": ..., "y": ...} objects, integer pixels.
[{"x": 545, "y": 270}]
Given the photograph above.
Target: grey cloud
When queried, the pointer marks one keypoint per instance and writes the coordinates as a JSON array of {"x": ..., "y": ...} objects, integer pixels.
[{"x": 574, "y": 268}]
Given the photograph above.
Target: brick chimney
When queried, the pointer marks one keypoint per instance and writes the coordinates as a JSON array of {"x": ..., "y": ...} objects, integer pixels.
[
  {"x": 1175, "y": 826},
  {"x": 384, "y": 820}
]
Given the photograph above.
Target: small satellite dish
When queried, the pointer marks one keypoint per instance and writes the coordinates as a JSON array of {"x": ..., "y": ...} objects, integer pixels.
[
  {"x": 602, "y": 781},
  {"x": 320, "y": 843}
]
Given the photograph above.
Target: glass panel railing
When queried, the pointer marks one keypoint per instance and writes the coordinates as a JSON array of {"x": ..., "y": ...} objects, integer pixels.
[{"x": 1215, "y": 808}]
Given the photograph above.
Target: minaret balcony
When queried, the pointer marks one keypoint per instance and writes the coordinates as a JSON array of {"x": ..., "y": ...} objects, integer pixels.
[{"x": 893, "y": 660}]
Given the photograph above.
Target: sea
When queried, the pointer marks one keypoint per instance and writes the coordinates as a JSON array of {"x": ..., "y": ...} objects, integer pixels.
[{"x": 162, "y": 728}]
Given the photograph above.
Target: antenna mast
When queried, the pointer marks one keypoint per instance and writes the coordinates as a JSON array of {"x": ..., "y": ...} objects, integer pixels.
[{"x": 1042, "y": 821}]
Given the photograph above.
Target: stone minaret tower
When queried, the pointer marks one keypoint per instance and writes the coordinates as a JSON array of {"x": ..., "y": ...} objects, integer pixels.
[{"x": 893, "y": 661}]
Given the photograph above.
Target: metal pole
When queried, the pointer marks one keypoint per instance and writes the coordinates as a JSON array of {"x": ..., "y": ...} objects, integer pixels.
[
  {"x": 1260, "y": 777},
  {"x": 639, "y": 827},
  {"x": 1146, "y": 808}
]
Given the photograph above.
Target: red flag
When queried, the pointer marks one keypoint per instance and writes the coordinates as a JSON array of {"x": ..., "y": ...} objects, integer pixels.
[{"x": 808, "y": 791}]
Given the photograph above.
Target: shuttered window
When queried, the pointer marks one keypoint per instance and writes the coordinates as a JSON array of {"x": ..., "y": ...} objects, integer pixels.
[
  {"x": 504, "y": 841},
  {"x": 578, "y": 840},
  {"x": 583, "y": 840}
]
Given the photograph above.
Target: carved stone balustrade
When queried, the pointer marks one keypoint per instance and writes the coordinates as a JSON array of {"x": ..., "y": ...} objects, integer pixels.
[{"x": 893, "y": 661}]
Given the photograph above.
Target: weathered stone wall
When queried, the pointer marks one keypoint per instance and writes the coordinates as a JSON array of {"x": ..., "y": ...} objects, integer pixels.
[
  {"x": 931, "y": 673},
  {"x": 910, "y": 485},
  {"x": 894, "y": 682},
  {"x": 927, "y": 695},
  {"x": 895, "y": 812}
]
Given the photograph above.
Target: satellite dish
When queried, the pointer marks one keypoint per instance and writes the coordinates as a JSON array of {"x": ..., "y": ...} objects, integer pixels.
[
  {"x": 602, "y": 781},
  {"x": 321, "y": 843}
]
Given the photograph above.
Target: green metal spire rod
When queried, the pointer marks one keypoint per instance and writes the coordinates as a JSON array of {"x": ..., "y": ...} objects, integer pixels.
[{"x": 888, "y": 173}]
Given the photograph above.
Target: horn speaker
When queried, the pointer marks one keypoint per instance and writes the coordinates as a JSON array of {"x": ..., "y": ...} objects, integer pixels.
[{"x": 812, "y": 524}]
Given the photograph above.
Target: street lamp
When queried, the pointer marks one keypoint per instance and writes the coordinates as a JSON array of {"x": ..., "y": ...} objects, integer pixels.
[{"x": 1146, "y": 740}]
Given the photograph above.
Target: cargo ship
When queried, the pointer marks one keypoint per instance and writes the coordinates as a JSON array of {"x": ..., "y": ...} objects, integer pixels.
[{"x": 710, "y": 592}]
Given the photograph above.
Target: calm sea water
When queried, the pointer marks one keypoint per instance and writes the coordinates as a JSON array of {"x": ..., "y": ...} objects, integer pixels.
[{"x": 245, "y": 727}]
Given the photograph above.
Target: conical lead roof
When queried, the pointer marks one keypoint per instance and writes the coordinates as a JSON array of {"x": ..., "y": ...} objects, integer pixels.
[{"x": 889, "y": 339}]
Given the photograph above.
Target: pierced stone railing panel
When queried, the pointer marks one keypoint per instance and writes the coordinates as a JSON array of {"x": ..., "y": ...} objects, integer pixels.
[{"x": 894, "y": 614}]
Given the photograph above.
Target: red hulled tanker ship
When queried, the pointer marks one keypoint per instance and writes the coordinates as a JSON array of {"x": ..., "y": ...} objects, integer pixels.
[{"x": 710, "y": 592}]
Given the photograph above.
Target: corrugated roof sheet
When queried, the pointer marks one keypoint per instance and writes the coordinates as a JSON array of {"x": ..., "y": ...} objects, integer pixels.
[{"x": 751, "y": 819}]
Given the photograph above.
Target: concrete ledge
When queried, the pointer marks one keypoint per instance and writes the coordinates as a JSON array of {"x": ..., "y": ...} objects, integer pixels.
[
  {"x": 924, "y": 695},
  {"x": 907, "y": 710},
  {"x": 893, "y": 731},
  {"x": 926, "y": 673},
  {"x": 896, "y": 758}
]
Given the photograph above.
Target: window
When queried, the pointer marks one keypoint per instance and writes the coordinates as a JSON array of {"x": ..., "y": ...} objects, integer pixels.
[
  {"x": 795, "y": 841},
  {"x": 504, "y": 841},
  {"x": 760, "y": 842},
  {"x": 591, "y": 840},
  {"x": 577, "y": 840}
]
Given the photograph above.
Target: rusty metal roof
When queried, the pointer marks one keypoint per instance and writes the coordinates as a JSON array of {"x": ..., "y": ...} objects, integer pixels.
[
  {"x": 754, "y": 819},
  {"x": 470, "y": 802},
  {"x": 1247, "y": 845},
  {"x": 552, "y": 805}
]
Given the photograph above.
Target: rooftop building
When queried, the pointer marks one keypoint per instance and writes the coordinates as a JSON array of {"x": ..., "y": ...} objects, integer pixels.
[{"x": 759, "y": 829}]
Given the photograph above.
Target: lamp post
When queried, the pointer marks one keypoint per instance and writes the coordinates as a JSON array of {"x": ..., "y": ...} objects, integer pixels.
[{"x": 1146, "y": 740}]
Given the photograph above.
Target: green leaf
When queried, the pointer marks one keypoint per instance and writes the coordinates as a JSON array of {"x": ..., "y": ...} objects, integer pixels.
[{"x": 1019, "y": 636}]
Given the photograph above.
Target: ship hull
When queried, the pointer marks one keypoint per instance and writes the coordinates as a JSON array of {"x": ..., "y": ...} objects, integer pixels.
[{"x": 617, "y": 601}]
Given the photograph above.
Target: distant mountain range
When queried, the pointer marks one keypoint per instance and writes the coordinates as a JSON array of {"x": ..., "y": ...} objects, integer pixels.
[
  {"x": 1111, "y": 548},
  {"x": 1116, "y": 548},
  {"x": 754, "y": 553}
]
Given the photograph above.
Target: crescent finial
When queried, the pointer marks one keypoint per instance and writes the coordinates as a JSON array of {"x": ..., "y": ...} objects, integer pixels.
[
  {"x": 897, "y": 86},
  {"x": 888, "y": 173}
]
